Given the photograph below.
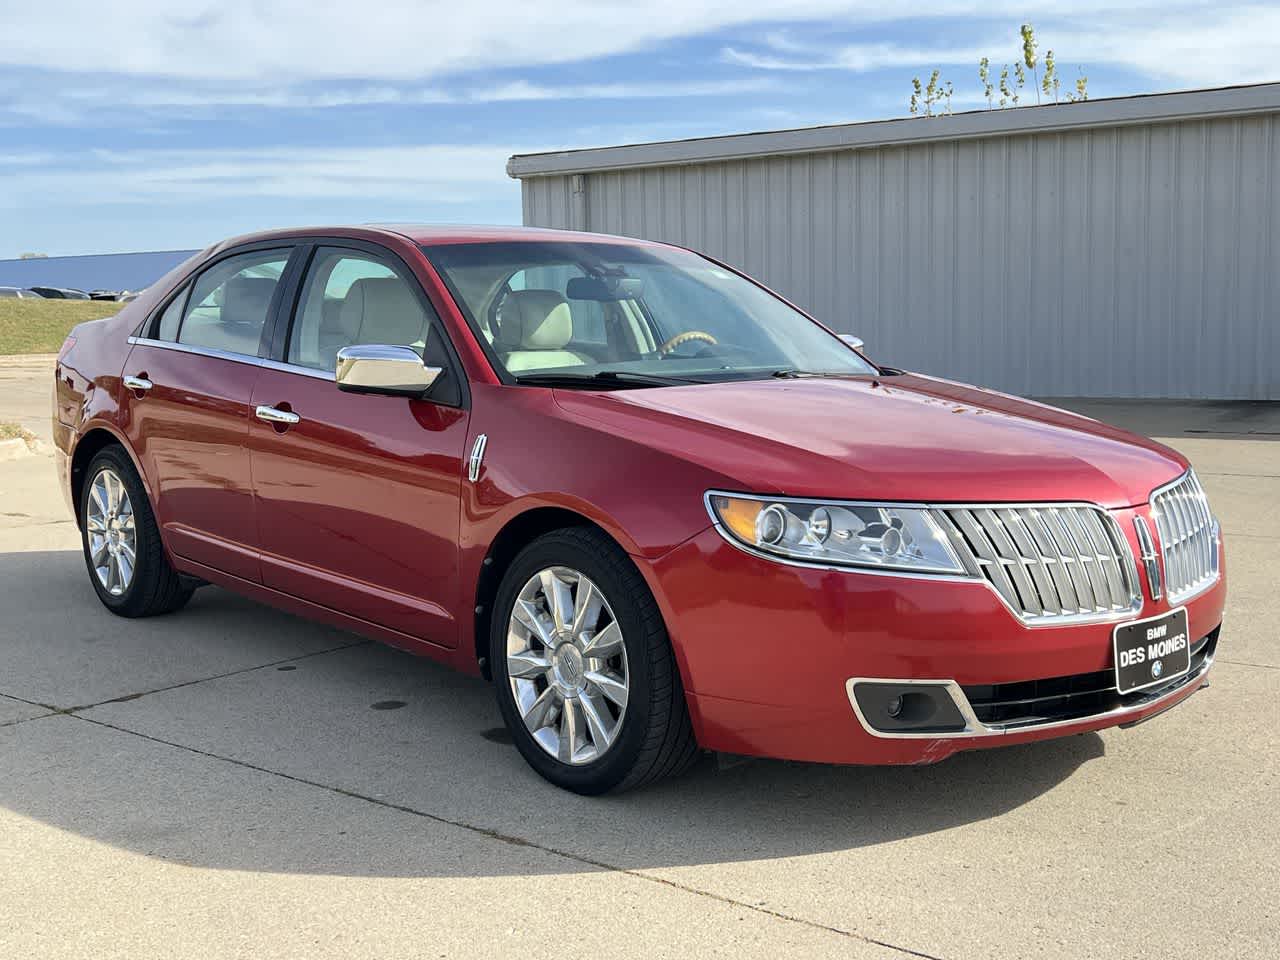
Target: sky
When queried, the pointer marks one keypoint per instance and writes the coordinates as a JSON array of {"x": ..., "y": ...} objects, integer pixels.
[{"x": 144, "y": 125}]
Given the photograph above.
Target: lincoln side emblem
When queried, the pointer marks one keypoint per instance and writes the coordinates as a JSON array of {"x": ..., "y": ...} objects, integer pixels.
[{"x": 477, "y": 458}]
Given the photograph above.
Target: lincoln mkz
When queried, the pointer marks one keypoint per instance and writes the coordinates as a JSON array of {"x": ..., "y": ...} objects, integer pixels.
[{"x": 663, "y": 510}]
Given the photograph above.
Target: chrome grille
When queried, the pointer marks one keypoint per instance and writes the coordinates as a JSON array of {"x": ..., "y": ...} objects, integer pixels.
[
  {"x": 1051, "y": 563},
  {"x": 1188, "y": 537}
]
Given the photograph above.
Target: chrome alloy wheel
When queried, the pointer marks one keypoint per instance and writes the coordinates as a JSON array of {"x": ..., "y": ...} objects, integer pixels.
[
  {"x": 113, "y": 538},
  {"x": 567, "y": 665}
]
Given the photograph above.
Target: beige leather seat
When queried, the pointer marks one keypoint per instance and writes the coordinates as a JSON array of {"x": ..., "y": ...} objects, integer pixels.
[
  {"x": 534, "y": 327},
  {"x": 376, "y": 310},
  {"x": 237, "y": 326},
  {"x": 383, "y": 310}
]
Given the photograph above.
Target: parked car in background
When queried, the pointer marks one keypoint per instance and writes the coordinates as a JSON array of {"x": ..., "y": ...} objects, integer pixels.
[
  {"x": 12, "y": 293},
  {"x": 659, "y": 506},
  {"x": 104, "y": 294},
  {"x": 61, "y": 293}
]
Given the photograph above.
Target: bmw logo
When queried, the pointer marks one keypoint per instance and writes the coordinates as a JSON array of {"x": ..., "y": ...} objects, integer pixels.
[{"x": 1157, "y": 668}]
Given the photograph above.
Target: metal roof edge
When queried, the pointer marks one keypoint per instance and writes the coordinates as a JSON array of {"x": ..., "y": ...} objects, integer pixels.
[{"x": 1113, "y": 111}]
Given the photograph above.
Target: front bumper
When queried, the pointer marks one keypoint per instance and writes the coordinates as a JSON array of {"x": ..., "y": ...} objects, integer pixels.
[
  {"x": 768, "y": 651},
  {"x": 1105, "y": 704}
]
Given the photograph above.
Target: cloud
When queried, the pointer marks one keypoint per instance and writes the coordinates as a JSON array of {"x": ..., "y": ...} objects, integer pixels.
[
  {"x": 1218, "y": 45},
  {"x": 448, "y": 174},
  {"x": 293, "y": 40},
  {"x": 327, "y": 54},
  {"x": 150, "y": 97},
  {"x": 854, "y": 57},
  {"x": 1186, "y": 45},
  {"x": 522, "y": 90}
]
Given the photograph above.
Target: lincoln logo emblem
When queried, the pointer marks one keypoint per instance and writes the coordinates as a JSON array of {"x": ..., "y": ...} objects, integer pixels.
[{"x": 1157, "y": 668}]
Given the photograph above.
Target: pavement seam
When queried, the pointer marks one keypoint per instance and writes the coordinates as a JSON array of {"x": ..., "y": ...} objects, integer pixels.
[
  {"x": 1252, "y": 476},
  {"x": 1241, "y": 663},
  {"x": 128, "y": 697},
  {"x": 513, "y": 840}
]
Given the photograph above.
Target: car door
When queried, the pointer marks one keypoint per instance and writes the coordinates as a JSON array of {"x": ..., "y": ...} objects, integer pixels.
[
  {"x": 188, "y": 381},
  {"x": 358, "y": 494}
]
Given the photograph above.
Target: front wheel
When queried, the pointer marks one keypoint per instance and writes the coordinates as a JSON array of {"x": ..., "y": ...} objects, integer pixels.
[
  {"x": 583, "y": 667},
  {"x": 122, "y": 549}
]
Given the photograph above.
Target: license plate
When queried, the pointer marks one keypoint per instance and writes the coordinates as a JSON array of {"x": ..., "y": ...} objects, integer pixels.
[{"x": 1151, "y": 652}]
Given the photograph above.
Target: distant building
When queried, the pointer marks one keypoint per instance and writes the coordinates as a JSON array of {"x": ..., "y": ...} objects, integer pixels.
[
  {"x": 1114, "y": 248},
  {"x": 104, "y": 271}
]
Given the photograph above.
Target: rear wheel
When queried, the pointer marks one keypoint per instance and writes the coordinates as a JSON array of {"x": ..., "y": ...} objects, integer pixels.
[
  {"x": 584, "y": 672},
  {"x": 122, "y": 549}
]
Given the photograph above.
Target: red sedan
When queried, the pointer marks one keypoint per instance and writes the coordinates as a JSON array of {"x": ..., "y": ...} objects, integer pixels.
[{"x": 658, "y": 506}]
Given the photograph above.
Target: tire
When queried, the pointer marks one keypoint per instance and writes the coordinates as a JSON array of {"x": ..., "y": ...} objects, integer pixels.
[
  {"x": 152, "y": 586},
  {"x": 652, "y": 736}
]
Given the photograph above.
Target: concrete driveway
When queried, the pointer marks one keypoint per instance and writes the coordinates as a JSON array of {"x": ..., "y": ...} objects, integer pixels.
[{"x": 234, "y": 782}]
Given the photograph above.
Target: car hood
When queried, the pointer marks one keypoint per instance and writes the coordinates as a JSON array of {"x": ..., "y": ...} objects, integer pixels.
[{"x": 904, "y": 437}]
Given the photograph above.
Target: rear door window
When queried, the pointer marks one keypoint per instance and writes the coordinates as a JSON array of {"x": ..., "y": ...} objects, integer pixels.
[{"x": 230, "y": 302}]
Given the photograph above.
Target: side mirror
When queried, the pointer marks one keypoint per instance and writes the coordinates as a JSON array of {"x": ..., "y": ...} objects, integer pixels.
[
  {"x": 851, "y": 340},
  {"x": 381, "y": 369}
]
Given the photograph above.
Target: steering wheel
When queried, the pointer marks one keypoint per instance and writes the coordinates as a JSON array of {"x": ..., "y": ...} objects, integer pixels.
[{"x": 685, "y": 337}]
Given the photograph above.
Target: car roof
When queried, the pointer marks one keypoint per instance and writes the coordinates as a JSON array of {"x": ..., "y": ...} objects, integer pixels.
[{"x": 429, "y": 235}]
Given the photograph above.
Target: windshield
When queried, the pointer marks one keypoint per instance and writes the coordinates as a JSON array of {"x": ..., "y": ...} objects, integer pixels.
[{"x": 629, "y": 316}]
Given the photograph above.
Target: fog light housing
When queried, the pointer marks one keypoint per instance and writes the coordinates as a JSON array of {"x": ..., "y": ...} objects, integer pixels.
[{"x": 895, "y": 707}]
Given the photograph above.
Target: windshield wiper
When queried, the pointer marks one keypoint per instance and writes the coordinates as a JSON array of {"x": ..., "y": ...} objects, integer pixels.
[
  {"x": 612, "y": 378},
  {"x": 791, "y": 373}
]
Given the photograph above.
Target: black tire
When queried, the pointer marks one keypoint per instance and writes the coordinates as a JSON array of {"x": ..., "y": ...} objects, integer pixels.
[
  {"x": 156, "y": 587},
  {"x": 656, "y": 737}
]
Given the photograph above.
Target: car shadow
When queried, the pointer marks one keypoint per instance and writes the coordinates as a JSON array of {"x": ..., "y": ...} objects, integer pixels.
[{"x": 354, "y": 759}]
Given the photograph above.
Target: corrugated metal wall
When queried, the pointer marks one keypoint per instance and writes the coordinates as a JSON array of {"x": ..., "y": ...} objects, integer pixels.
[{"x": 1135, "y": 261}]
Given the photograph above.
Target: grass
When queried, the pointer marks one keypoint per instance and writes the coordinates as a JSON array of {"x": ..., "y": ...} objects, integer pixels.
[
  {"x": 11, "y": 431},
  {"x": 40, "y": 326}
]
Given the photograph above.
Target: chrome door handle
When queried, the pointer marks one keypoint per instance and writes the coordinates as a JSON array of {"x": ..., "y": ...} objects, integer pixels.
[
  {"x": 272, "y": 415},
  {"x": 138, "y": 383}
]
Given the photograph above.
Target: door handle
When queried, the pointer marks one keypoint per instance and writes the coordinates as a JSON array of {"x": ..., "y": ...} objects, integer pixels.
[
  {"x": 141, "y": 384},
  {"x": 272, "y": 415}
]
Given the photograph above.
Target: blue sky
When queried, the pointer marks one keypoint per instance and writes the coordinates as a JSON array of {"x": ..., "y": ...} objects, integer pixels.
[{"x": 137, "y": 125}]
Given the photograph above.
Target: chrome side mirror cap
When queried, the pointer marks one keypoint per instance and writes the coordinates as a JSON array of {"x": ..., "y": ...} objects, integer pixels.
[
  {"x": 383, "y": 369},
  {"x": 851, "y": 340}
]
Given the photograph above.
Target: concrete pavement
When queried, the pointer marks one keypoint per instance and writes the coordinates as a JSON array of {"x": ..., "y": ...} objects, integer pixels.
[
  {"x": 26, "y": 389},
  {"x": 231, "y": 781}
]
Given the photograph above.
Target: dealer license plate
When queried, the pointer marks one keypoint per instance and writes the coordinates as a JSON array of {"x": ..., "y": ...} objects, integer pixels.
[{"x": 1151, "y": 652}]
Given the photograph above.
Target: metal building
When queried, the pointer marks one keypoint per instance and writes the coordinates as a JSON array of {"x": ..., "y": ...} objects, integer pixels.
[
  {"x": 1115, "y": 248},
  {"x": 107, "y": 271}
]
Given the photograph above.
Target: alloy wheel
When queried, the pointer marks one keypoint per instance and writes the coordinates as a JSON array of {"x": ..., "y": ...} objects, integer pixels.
[
  {"x": 113, "y": 537},
  {"x": 567, "y": 665}
]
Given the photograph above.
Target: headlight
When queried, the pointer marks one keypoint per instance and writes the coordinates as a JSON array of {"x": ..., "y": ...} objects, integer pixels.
[{"x": 876, "y": 535}]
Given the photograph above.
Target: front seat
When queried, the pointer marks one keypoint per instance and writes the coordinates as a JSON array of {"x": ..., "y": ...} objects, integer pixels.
[
  {"x": 534, "y": 327},
  {"x": 383, "y": 310}
]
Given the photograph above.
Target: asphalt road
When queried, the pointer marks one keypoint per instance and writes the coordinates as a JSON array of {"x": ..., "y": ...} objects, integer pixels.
[{"x": 234, "y": 782}]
